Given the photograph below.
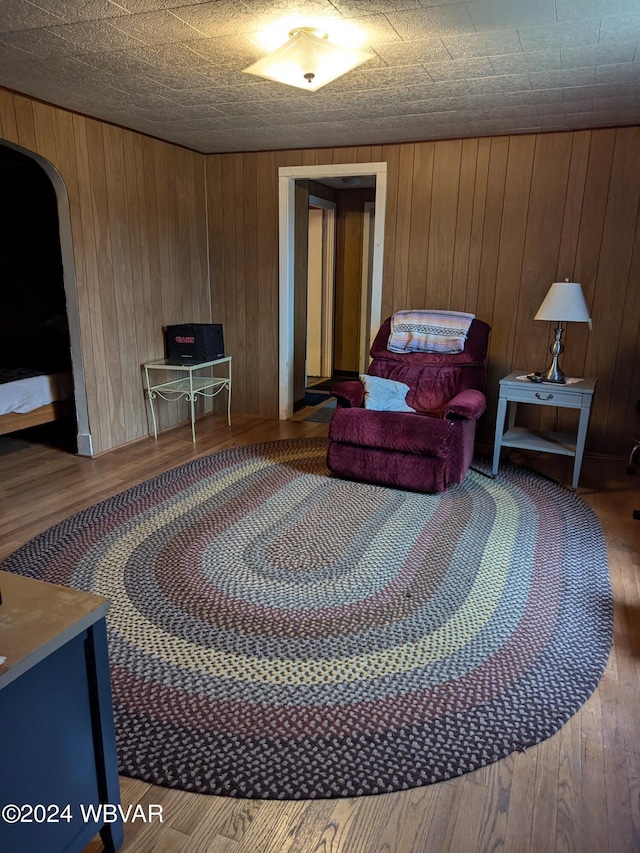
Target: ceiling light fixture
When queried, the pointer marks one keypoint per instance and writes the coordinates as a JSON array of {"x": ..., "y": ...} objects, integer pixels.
[{"x": 308, "y": 60}]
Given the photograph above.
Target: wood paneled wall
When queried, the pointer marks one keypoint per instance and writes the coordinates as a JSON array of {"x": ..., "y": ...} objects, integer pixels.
[
  {"x": 138, "y": 221},
  {"x": 481, "y": 225}
]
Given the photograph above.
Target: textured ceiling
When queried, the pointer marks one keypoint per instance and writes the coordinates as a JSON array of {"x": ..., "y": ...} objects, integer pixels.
[{"x": 442, "y": 69}]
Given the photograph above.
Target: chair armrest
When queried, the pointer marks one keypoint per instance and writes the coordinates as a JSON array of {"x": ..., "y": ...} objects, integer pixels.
[
  {"x": 349, "y": 394},
  {"x": 469, "y": 404}
]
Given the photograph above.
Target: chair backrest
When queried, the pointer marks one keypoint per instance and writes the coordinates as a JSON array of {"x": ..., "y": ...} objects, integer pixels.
[{"x": 434, "y": 378}]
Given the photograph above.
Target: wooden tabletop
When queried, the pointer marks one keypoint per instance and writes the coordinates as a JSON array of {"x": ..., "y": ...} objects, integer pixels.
[{"x": 36, "y": 618}]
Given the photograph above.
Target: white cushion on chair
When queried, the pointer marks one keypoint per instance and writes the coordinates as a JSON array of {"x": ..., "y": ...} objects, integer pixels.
[{"x": 385, "y": 395}]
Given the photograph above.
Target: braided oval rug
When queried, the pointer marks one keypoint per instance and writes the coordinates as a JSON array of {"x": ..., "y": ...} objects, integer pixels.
[{"x": 276, "y": 632}]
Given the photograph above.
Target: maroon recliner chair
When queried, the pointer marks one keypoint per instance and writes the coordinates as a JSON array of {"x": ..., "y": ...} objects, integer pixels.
[{"x": 424, "y": 451}]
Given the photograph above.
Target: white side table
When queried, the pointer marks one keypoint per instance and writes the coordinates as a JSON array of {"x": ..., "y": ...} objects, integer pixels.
[
  {"x": 195, "y": 380},
  {"x": 514, "y": 389}
]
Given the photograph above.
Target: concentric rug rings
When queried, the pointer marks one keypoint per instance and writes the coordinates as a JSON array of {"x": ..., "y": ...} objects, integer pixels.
[{"x": 276, "y": 632}]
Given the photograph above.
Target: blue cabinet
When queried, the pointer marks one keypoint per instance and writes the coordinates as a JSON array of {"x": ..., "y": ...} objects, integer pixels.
[{"x": 58, "y": 762}]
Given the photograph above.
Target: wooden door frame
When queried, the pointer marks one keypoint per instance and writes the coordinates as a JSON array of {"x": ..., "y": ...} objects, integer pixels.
[
  {"x": 287, "y": 176},
  {"x": 363, "y": 355}
]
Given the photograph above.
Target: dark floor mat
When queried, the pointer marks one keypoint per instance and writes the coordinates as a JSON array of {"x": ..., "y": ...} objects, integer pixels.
[
  {"x": 328, "y": 384},
  {"x": 311, "y": 398}
]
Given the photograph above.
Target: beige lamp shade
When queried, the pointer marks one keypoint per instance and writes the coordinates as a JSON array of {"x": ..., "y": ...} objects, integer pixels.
[
  {"x": 565, "y": 302},
  {"x": 308, "y": 60}
]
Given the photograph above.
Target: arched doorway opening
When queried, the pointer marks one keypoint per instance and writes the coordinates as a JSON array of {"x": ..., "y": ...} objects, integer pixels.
[{"x": 39, "y": 323}]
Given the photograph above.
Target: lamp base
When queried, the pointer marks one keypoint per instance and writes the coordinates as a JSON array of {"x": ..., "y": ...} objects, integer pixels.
[{"x": 553, "y": 372}]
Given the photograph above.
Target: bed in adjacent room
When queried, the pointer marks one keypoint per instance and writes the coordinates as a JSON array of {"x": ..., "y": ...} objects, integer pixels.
[
  {"x": 36, "y": 384},
  {"x": 29, "y": 397}
]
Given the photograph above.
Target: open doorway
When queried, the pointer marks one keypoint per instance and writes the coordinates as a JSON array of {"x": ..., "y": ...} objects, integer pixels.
[
  {"x": 40, "y": 326},
  {"x": 293, "y": 244},
  {"x": 320, "y": 292}
]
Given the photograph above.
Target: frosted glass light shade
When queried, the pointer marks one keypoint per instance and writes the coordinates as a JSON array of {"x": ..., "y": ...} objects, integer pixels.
[
  {"x": 564, "y": 301},
  {"x": 308, "y": 62}
]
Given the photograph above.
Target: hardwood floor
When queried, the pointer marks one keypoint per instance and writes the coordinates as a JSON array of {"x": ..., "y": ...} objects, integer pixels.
[{"x": 578, "y": 791}]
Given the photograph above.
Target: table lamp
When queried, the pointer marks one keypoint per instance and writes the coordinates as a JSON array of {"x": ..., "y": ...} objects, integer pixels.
[{"x": 563, "y": 303}]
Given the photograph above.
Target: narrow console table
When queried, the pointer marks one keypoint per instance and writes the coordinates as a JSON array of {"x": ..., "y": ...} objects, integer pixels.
[
  {"x": 516, "y": 388},
  {"x": 195, "y": 380},
  {"x": 57, "y": 741}
]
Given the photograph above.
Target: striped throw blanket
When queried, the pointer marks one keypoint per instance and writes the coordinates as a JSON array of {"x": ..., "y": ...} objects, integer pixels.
[{"x": 429, "y": 331}]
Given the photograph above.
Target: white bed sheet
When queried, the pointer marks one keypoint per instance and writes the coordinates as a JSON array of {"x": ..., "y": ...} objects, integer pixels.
[{"x": 25, "y": 395}]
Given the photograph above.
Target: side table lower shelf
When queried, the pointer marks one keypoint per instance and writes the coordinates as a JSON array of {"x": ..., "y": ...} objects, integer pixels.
[{"x": 539, "y": 440}]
